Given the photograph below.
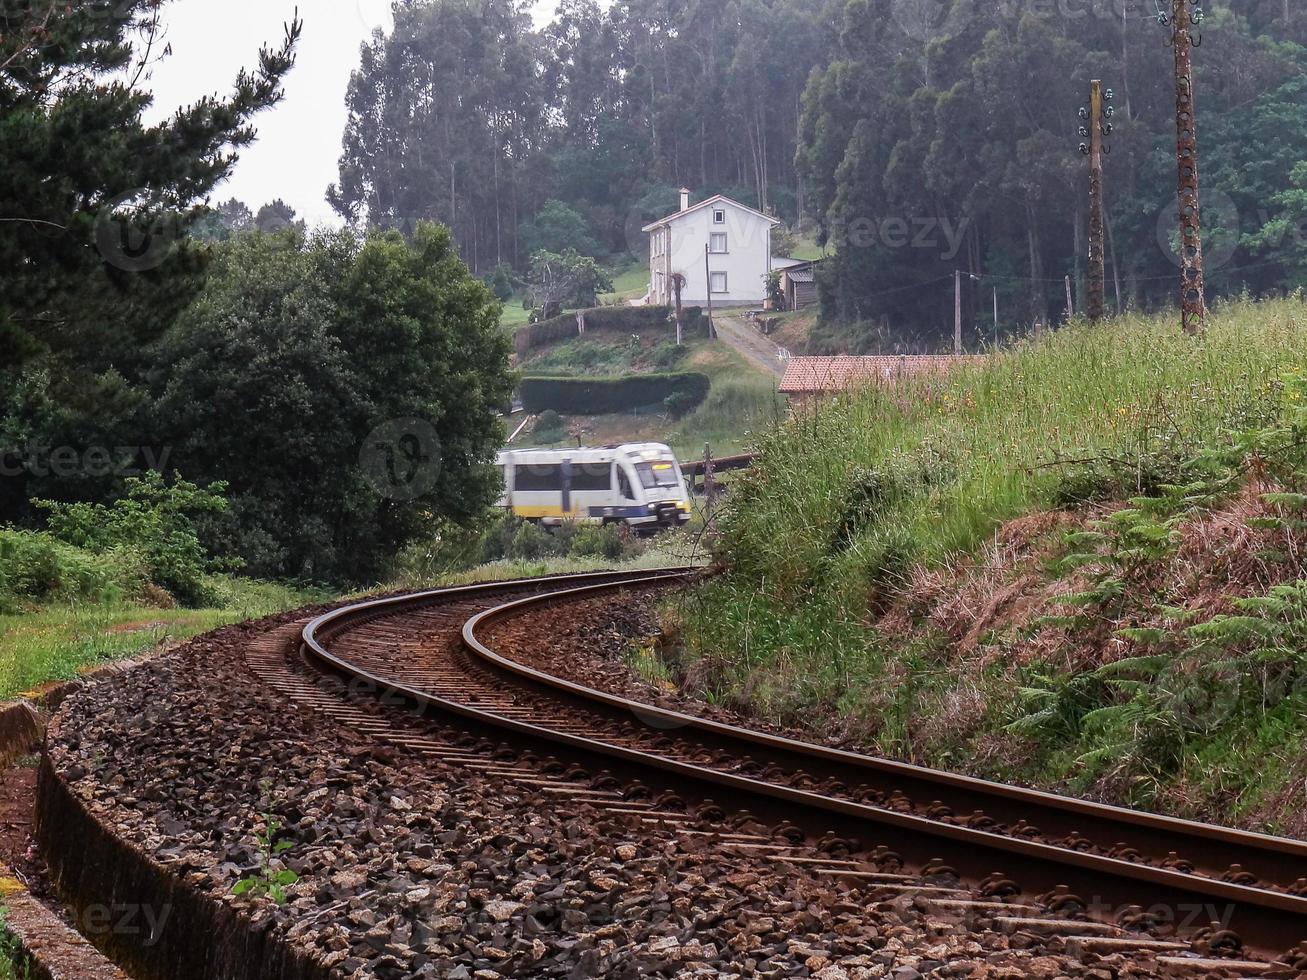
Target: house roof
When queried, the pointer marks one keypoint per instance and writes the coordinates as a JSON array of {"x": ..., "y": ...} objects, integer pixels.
[
  {"x": 780, "y": 263},
  {"x": 715, "y": 199},
  {"x": 822, "y": 374},
  {"x": 799, "y": 275}
]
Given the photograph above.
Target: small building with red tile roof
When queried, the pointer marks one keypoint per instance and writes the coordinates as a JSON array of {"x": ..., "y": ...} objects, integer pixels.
[{"x": 809, "y": 377}]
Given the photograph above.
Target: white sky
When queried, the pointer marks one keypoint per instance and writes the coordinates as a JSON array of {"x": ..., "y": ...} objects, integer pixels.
[{"x": 298, "y": 146}]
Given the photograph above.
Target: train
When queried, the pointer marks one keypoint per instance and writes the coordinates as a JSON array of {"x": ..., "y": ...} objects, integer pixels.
[{"x": 637, "y": 484}]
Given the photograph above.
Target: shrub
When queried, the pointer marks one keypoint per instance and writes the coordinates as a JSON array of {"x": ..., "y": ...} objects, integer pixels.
[
  {"x": 679, "y": 404},
  {"x": 530, "y": 541},
  {"x": 155, "y": 521},
  {"x": 509, "y": 537},
  {"x": 667, "y": 356},
  {"x": 610, "y": 541},
  {"x": 500, "y": 281},
  {"x": 39, "y": 567},
  {"x": 597, "y": 396},
  {"x": 549, "y": 423}
]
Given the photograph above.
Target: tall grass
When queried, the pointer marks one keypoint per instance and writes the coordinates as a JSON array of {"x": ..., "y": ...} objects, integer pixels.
[
  {"x": 850, "y": 492},
  {"x": 738, "y": 409},
  {"x": 851, "y": 500}
]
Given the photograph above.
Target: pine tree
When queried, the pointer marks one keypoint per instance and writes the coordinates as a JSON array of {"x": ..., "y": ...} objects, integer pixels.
[{"x": 94, "y": 203}]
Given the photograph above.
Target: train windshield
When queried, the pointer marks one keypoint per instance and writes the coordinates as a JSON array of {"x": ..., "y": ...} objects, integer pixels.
[{"x": 656, "y": 475}]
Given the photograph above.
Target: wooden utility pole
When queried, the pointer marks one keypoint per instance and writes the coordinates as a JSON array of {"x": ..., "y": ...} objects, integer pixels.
[
  {"x": 1193, "y": 305},
  {"x": 1070, "y": 303},
  {"x": 957, "y": 311},
  {"x": 1097, "y": 243}
]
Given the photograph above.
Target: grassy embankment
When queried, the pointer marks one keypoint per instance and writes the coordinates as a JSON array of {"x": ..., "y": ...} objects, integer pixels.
[
  {"x": 742, "y": 399},
  {"x": 1079, "y": 567}
]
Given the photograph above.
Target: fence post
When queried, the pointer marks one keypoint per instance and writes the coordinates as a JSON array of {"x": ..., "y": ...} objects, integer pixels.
[{"x": 709, "y": 483}]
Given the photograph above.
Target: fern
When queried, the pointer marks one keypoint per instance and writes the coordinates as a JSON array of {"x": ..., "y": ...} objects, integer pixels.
[
  {"x": 1151, "y": 635},
  {"x": 1149, "y": 666}
]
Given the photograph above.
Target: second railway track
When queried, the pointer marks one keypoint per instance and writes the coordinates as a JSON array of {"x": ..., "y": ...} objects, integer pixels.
[{"x": 1106, "y": 878}]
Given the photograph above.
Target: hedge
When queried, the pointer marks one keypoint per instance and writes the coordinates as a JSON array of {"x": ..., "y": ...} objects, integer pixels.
[
  {"x": 599, "y": 396},
  {"x": 631, "y": 319}
]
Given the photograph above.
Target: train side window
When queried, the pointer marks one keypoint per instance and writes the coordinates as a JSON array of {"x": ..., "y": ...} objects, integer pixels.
[
  {"x": 538, "y": 476},
  {"x": 623, "y": 484},
  {"x": 594, "y": 477}
]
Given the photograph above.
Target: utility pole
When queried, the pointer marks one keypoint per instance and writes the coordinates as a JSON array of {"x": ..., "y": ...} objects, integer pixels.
[
  {"x": 1070, "y": 303},
  {"x": 957, "y": 311},
  {"x": 1097, "y": 244},
  {"x": 1193, "y": 306},
  {"x": 996, "y": 317}
]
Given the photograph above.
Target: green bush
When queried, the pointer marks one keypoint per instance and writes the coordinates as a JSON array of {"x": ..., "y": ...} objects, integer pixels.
[
  {"x": 549, "y": 427},
  {"x": 679, "y": 404},
  {"x": 597, "y": 396},
  {"x": 509, "y": 537},
  {"x": 610, "y": 541},
  {"x": 531, "y": 541},
  {"x": 500, "y": 281},
  {"x": 38, "y": 567},
  {"x": 154, "y": 521},
  {"x": 667, "y": 356}
]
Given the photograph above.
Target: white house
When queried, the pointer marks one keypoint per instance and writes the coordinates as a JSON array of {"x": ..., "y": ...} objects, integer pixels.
[{"x": 719, "y": 244}]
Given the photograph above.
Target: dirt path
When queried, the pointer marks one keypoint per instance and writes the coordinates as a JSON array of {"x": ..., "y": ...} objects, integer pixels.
[{"x": 734, "y": 330}]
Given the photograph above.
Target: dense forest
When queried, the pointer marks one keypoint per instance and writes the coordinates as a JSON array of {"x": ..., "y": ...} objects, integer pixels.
[
  {"x": 910, "y": 137},
  {"x": 469, "y": 115}
]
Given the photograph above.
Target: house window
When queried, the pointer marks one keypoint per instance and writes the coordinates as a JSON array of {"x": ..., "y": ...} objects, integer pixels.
[
  {"x": 717, "y": 242},
  {"x": 719, "y": 216},
  {"x": 719, "y": 282}
]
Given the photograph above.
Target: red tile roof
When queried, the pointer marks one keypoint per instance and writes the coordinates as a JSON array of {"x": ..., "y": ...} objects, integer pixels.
[{"x": 822, "y": 374}]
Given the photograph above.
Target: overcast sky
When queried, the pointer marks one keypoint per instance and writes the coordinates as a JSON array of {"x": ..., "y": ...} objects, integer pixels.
[
  {"x": 299, "y": 141},
  {"x": 298, "y": 147}
]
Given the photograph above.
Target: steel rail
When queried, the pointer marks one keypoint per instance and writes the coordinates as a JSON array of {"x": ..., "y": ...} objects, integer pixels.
[
  {"x": 1214, "y": 848},
  {"x": 1269, "y": 921}
]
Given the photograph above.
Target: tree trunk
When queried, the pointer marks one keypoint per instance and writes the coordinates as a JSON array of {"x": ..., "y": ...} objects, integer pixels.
[{"x": 1037, "y": 303}]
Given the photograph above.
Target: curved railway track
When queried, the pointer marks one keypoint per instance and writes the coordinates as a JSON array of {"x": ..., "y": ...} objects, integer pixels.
[{"x": 421, "y": 671}]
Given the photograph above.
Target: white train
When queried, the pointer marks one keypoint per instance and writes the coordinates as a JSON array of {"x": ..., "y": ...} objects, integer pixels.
[{"x": 639, "y": 484}]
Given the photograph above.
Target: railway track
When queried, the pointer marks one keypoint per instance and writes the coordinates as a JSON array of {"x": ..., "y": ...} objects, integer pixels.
[{"x": 422, "y": 671}]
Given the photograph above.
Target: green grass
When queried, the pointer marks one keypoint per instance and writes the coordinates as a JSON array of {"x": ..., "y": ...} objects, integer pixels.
[
  {"x": 855, "y": 500},
  {"x": 670, "y": 550},
  {"x": 806, "y": 250},
  {"x": 54, "y": 642},
  {"x": 514, "y": 315},
  {"x": 629, "y": 282},
  {"x": 951, "y": 458},
  {"x": 738, "y": 409},
  {"x": 13, "y": 963}
]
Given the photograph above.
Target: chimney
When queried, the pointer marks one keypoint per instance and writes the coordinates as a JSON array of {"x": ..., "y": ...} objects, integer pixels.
[{"x": 685, "y": 198}]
